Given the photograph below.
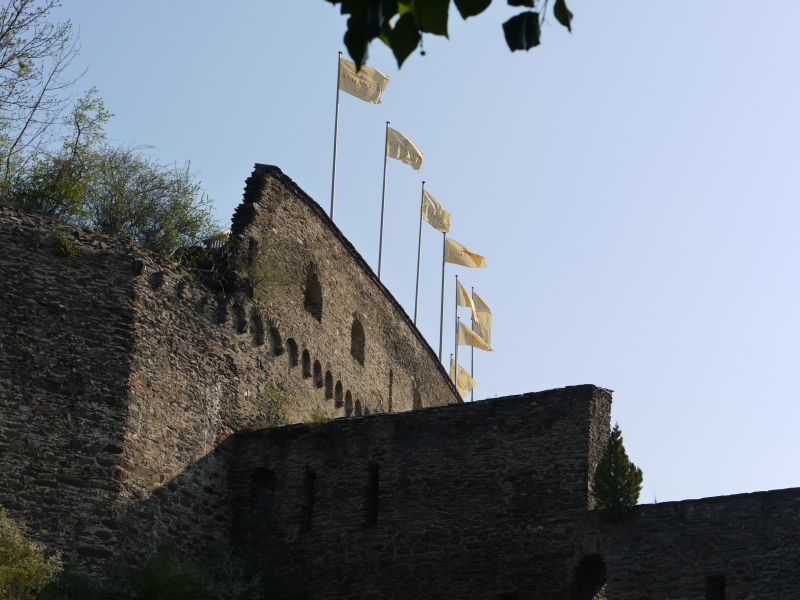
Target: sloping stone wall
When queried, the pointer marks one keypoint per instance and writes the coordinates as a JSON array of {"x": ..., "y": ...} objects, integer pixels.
[
  {"x": 476, "y": 501},
  {"x": 122, "y": 376}
]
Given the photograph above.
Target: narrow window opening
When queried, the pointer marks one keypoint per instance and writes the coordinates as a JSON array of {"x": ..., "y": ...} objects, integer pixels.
[
  {"x": 373, "y": 490},
  {"x": 357, "y": 408},
  {"x": 367, "y": 411},
  {"x": 715, "y": 587},
  {"x": 328, "y": 386},
  {"x": 239, "y": 318},
  {"x": 263, "y": 485},
  {"x": 275, "y": 344},
  {"x": 313, "y": 294},
  {"x": 590, "y": 578},
  {"x": 357, "y": 341},
  {"x": 309, "y": 486},
  {"x": 291, "y": 348},
  {"x": 256, "y": 327},
  {"x": 348, "y": 404},
  {"x": 306, "y": 364},
  {"x": 338, "y": 393},
  {"x": 417, "y": 399},
  {"x": 391, "y": 386},
  {"x": 317, "y": 374}
]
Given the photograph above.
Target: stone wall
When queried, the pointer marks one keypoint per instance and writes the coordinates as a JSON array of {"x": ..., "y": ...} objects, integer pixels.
[
  {"x": 739, "y": 547},
  {"x": 481, "y": 500},
  {"x": 66, "y": 342},
  {"x": 371, "y": 357},
  {"x": 122, "y": 375}
]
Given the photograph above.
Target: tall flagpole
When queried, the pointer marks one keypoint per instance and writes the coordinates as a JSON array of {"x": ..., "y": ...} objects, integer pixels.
[
  {"x": 456, "y": 331},
  {"x": 472, "y": 349},
  {"x": 441, "y": 310},
  {"x": 383, "y": 198},
  {"x": 458, "y": 319},
  {"x": 419, "y": 252},
  {"x": 335, "y": 132}
]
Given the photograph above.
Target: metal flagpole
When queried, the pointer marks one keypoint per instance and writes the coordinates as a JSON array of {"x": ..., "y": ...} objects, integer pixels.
[
  {"x": 456, "y": 331},
  {"x": 383, "y": 198},
  {"x": 419, "y": 252},
  {"x": 458, "y": 320},
  {"x": 335, "y": 132},
  {"x": 441, "y": 309},
  {"x": 472, "y": 350}
]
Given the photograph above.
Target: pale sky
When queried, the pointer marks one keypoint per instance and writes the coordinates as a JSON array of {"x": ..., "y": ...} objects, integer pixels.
[{"x": 633, "y": 186}]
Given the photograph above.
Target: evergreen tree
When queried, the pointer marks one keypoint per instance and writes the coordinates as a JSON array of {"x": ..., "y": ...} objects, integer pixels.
[{"x": 617, "y": 481}]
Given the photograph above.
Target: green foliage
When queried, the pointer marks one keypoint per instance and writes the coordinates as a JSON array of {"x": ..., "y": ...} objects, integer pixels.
[
  {"x": 319, "y": 420},
  {"x": 24, "y": 568},
  {"x": 66, "y": 245},
  {"x": 617, "y": 481},
  {"x": 71, "y": 586},
  {"x": 400, "y": 23},
  {"x": 158, "y": 207},
  {"x": 166, "y": 578}
]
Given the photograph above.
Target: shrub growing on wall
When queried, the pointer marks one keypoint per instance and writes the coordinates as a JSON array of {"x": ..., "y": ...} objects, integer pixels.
[
  {"x": 617, "y": 481},
  {"x": 24, "y": 568}
]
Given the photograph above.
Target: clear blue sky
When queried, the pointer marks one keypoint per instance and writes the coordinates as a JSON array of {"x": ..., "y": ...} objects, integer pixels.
[{"x": 634, "y": 187}]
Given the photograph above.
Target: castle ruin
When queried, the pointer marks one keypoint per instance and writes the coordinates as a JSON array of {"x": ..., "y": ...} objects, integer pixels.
[{"x": 141, "y": 407}]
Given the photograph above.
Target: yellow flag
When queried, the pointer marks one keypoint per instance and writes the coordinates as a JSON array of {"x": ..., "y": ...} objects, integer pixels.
[
  {"x": 464, "y": 383},
  {"x": 483, "y": 324},
  {"x": 467, "y": 337},
  {"x": 458, "y": 255},
  {"x": 434, "y": 213},
  {"x": 400, "y": 147},
  {"x": 465, "y": 300},
  {"x": 367, "y": 84}
]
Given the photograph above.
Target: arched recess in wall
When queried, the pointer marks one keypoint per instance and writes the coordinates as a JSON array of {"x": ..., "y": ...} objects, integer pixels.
[
  {"x": 590, "y": 578},
  {"x": 357, "y": 408},
  {"x": 417, "y": 399},
  {"x": 306, "y": 364},
  {"x": 328, "y": 386},
  {"x": 357, "y": 341},
  {"x": 348, "y": 404},
  {"x": 317, "y": 374},
  {"x": 275, "y": 343},
  {"x": 338, "y": 400},
  {"x": 312, "y": 297},
  {"x": 367, "y": 411},
  {"x": 291, "y": 349},
  {"x": 256, "y": 327}
]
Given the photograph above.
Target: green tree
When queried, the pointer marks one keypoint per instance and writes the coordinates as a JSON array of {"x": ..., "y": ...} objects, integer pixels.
[
  {"x": 400, "y": 23},
  {"x": 54, "y": 184},
  {"x": 159, "y": 207},
  {"x": 34, "y": 55},
  {"x": 24, "y": 568},
  {"x": 617, "y": 481}
]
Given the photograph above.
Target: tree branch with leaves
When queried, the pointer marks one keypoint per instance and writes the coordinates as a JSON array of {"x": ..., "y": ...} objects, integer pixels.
[{"x": 400, "y": 24}]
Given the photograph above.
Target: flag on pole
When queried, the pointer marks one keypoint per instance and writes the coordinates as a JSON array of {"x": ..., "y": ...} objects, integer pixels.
[
  {"x": 464, "y": 383},
  {"x": 400, "y": 147},
  {"x": 434, "y": 213},
  {"x": 458, "y": 255},
  {"x": 367, "y": 84},
  {"x": 467, "y": 337},
  {"x": 483, "y": 324},
  {"x": 465, "y": 300}
]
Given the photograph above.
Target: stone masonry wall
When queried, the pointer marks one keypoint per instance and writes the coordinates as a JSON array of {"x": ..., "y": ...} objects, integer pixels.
[
  {"x": 66, "y": 342},
  {"x": 283, "y": 240},
  {"x": 741, "y": 547},
  {"x": 476, "y": 501},
  {"x": 122, "y": 376}
]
